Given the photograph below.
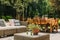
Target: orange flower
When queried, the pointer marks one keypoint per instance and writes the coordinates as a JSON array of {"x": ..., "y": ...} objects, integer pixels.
[{"x": 35, "y": 30}]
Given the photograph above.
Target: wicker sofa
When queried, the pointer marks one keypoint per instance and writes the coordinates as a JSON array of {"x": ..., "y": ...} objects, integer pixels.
[
  {"x": 9, "y": 30},
  {"x": 4, "y": 31}
]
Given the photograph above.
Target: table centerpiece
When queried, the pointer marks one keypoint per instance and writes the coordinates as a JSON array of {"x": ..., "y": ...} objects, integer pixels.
[{"x": 34, "y": 28}]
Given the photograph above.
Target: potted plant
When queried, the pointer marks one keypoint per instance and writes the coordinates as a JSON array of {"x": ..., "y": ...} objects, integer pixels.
[{"x": 34, "y": 28}]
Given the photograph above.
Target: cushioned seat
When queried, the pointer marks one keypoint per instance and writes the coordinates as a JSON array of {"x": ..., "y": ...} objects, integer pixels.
[{"x": 8, "y": 29}]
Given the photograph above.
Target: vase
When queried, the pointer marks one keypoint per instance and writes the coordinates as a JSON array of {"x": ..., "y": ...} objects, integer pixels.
[{"x": 35, "y": 32}]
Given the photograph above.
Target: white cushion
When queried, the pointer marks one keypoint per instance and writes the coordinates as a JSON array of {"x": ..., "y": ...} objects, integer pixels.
[
  {"x": 11, "y": 27},
  {"x": 14, "y": 22},
  {"x": 2, "y": 22}
]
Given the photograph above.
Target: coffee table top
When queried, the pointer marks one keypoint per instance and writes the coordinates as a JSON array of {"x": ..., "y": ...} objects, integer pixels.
[{"x": 24, "y": 34}]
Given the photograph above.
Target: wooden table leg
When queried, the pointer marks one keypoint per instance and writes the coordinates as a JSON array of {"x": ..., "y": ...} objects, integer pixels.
[
  {"x": 56, "y": 28},
  {"x": 50, "y": 28}
]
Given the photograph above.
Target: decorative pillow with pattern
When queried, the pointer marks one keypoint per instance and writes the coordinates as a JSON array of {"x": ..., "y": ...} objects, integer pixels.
[{"x": 16, "y": 23}]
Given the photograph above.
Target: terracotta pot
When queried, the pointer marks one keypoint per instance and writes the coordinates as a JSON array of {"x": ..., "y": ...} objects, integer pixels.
[{"x": 35, "y": 31}]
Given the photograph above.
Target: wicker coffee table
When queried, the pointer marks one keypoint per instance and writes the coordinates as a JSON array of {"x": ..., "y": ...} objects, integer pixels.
[{"x": 25, "y": 36}]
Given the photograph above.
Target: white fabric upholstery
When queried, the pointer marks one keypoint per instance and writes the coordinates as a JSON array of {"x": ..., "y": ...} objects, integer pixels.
[
  {"x": 10, "y": 28},
  {"x": 2, "y": 22},
  {"x": 14, "y": 22},
  {"x": 13, "y": 27},
  {"x": 11, "y": 21}
]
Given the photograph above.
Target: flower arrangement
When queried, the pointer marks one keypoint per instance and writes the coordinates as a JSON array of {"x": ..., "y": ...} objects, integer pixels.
[{"x": 34, "y": 28}]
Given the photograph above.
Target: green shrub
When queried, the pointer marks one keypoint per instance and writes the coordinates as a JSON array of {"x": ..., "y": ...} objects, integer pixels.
[{"x": 6, "y": 17}]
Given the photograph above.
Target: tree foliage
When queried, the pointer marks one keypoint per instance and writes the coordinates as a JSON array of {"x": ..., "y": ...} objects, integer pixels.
[{"x": 31, "y": 8}]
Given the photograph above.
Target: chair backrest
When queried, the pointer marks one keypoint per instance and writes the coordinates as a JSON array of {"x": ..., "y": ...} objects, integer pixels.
[
  {"x": 23, "y": 23},
  {"x": 2, "y": 23}
]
